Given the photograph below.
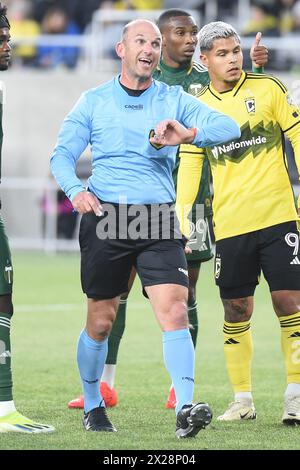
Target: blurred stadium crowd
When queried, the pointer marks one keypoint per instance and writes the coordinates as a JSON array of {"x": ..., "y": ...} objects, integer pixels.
[{"x": 32, "y": 20}]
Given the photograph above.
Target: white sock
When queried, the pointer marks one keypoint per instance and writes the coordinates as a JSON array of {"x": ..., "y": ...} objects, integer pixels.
[
  {"x": 108, "y": 375},
  {"x": 292, "y": 389},
  {"x": 242, "y": 396},
  {"x": 6, "y": 407}
]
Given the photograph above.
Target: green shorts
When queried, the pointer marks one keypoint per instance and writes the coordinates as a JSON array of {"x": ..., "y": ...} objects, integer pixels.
[
  {"x": 200, "y": 242},
  {"x": 6, "y": 270}
]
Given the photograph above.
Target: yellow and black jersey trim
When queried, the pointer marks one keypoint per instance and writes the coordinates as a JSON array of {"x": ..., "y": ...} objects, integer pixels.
[
  {"x": 289, "y": 128},
  {"x": 216, "y": 96},
  {"x": 240, "y": 85},
  {"x": 190, "y": 152},
  {"x": 262, "y": 76}
]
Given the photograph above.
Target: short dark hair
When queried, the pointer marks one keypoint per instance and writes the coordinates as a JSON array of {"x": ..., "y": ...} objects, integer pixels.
[
  {"x": 171, "y": 13},
  {"x": 4, "y": 23}
]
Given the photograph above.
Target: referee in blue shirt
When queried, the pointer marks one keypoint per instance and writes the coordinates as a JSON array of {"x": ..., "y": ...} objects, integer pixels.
[{"x": 134, "y": 124}]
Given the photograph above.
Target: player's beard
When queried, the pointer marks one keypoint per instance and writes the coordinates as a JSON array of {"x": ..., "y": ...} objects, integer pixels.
[
  {"x": 231, "y": 83},
  {"x": 3, "y": 67},
  {"x": 185, "y": 63},
  {"x": 143, "y": 77}
]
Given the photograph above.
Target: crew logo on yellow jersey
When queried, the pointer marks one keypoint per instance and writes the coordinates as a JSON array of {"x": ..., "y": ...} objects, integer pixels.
[{"x": 250, "y": 105}]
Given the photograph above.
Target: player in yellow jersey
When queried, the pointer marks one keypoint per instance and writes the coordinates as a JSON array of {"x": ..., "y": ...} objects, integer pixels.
[{"x": 255, "y": 215}]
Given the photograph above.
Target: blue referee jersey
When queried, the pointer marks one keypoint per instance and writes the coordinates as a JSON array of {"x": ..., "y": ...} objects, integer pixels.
[{"x": 126, "y": 167}]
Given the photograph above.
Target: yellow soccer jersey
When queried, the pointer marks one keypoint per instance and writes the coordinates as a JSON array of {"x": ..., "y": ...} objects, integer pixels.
[{"x": 252, "y": 189}]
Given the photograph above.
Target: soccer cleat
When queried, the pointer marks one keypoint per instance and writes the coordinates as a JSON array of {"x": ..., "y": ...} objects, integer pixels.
[
  {"x": 97, "y": 420},
  {"x": 191, "y": 419},
  {"x": 171, "y": 400},
  {"x": 291, "y": 414},
  {"x": 241, "y": 409},
  {"x": 109, "y": 395},
  {"x": 77, "y": 402},
  {"x": 15, "y": 422}
]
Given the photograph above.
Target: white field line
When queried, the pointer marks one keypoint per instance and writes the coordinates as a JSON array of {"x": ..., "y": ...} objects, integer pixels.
[{"x": 65, "y": 307}]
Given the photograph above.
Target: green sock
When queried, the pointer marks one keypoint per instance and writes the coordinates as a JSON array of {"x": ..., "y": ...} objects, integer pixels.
[
  {"x": 193, "y": 321},
  {"x": 116, "y": 333},
  {"x": 5, "y": 358}
]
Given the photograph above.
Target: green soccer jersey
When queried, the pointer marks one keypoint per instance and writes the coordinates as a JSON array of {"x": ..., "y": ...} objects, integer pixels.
[
  {"x": 192, "y": 79},
  {"x": 1, "y": 136},
  {"x": 6, "y": 271},
  {"x": 1, "y": 133}
]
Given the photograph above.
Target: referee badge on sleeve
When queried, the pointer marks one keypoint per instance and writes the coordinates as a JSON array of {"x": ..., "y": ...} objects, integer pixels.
[{"x": 156, "y": 146}]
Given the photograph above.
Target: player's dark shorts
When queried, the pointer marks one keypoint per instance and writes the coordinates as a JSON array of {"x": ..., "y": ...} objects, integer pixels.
[
  {"x": 156, "y": 250},
  {"x": 273, "y": 250},
  {"x": 6, "y": 270}
]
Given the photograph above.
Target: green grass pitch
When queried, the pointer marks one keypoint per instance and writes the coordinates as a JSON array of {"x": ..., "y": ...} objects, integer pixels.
[{"x": 49, "y": 314}]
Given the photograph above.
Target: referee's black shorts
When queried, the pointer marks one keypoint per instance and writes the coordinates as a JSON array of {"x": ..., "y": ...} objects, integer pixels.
[
  {"x": 273, "y": 250},
  {"x": 106, "y": 259}
]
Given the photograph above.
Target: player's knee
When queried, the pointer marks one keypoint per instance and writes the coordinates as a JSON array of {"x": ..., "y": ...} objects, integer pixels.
[
  {"x": 238, "y": 310},
  {"x": 178, "y": 314},
  {"x": 6, "y": 305},
  {"x": 286, "y": 302},
  {"x": 100, "y": 328}
]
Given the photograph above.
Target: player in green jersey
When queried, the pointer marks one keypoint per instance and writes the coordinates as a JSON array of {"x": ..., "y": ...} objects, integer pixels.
[
  {"x": 179, "y": 32},
  {"x": 10, "y": 419}
]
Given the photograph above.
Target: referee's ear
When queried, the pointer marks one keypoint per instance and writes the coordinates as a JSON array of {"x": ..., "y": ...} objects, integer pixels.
[{"x": 120, "y": 49}]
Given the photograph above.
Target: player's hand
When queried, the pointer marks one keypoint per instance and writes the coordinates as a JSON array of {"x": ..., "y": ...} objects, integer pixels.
[
  {"x": 259, "y": 53},
  {"x": 85, "y": 202},
  {"x": 187, "y": 250},
  {"x": 171, "y": 132}
]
